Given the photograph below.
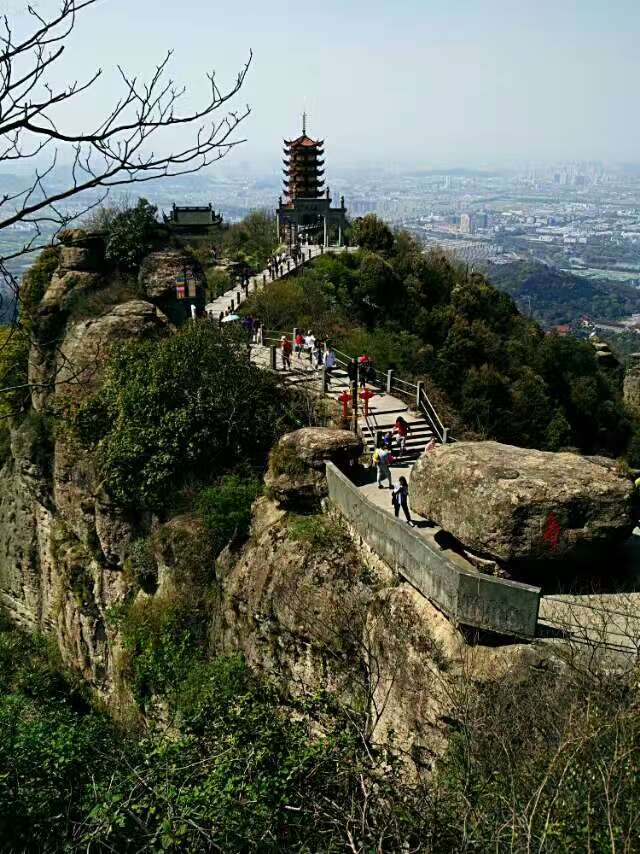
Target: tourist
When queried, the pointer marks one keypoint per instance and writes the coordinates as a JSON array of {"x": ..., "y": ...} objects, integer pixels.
[
  {"x": 330, "y": 359},
  {"x": 299, "y": 344},
  {"x": 402, "y": 429},
  {"x": 400, "y": 498},
  {"x": 363, "y": 363},
  {"x": 318, "y": 354},
  {"x": 285, "y": 352},
  {"x": 387, "y": 441},
  {"x": 255, "y": 331},
  {"x": 310, "y": 344},
  {"x": 352, "y": 372},
  {"x": 220, "y": 316},
  {"x": 381, "y": 459}
]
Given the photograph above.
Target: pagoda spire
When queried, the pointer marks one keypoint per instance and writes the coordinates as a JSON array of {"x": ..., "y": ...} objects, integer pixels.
[{"x": 304, "y": 123}]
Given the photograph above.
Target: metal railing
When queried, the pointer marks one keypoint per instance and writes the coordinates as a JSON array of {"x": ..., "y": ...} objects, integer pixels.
[{"x": 389, "y": 382}]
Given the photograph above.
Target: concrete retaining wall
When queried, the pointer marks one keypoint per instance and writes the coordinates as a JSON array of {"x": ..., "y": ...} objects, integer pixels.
[{"x": 466, "y": 596}]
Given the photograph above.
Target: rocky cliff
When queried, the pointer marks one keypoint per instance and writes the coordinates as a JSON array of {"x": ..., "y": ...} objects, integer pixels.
[
  {"x": 63, "y": 543},
  {"x": 302, "y": 600}
]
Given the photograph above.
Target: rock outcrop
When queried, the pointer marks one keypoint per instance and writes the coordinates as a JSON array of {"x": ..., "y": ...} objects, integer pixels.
[
  {"x": 516, "y": 504},
  {"x": 159, "y": 271},
  {"x": 63, "y": 543},
  {"x": 297, "y": 463}
]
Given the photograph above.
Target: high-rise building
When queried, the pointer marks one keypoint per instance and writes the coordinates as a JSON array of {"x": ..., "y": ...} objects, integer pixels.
[{"x": 466, "y": 224}]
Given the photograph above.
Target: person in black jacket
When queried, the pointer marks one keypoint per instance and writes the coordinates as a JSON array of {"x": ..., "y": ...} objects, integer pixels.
[{"x": 352, "y": 372}]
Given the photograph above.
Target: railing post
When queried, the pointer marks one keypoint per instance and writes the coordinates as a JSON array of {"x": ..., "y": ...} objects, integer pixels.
[
  {"x": 419, "y": 393},
  {"x": 323, "y": 380},
  {"x": 264, "y": 281},
  {"x": 389, "y": 381},
  {"x": 353, "y": 388},
  {"x": 445, "y": 435},
  {"x": 231, "y": 305},
  {"x": 239, "y": 297},
  {"x": 272, "y": 356},
  {"x": 288, "y": 265}
]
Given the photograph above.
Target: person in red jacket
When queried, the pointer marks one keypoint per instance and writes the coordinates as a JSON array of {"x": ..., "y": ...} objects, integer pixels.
[
  {"x": 402, "y": 429},
  {"x": 285, "y": 352},
  {"x": 299, "y": 344}
]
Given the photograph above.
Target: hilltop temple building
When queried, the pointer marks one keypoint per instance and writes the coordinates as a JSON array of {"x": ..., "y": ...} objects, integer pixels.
[
  {"x": 193, "y": 221},
  {"x": 305, "y": 212}
]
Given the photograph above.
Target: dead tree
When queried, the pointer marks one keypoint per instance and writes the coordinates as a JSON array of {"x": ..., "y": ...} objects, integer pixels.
[{"x": 125, "y": 147}]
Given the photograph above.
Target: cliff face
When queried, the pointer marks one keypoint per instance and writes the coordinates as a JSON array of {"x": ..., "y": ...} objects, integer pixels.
[
  {"x": 63, "y": 544},
  {"x": 303, "y": 600}
]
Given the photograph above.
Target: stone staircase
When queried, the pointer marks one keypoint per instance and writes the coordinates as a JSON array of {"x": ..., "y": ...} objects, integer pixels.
[{"x": 384, "y": 408}]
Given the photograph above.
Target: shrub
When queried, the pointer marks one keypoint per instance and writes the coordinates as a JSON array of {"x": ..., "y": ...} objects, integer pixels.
[
  {"x": 35, "y": 282},
  {"x": 130, "y": 235},
  {"x": 226, "y": 509},
  {"x": 144, "y": 565},
  {"x": 162, "y": 639},
  {"x": 188, "y": 405}
]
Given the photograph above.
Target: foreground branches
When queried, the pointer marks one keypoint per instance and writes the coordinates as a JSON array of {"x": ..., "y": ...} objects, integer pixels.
[{"x": 120, "y": 149}]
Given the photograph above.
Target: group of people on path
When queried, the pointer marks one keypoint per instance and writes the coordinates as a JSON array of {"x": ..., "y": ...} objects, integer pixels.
[
  {"x": 318, "y": 353},
  {"x": 382, "y": 459}
]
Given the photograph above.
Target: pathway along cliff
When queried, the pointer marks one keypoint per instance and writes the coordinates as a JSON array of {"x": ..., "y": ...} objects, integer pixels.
[{"x": 305, "y": 599}]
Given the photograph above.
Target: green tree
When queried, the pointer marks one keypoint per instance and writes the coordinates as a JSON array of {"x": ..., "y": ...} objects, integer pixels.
[
  {"x": 226, "y": 508},
  {"x": 253, "y": 240},
  {"x": 191, "y": 405},
  {"x": 130, "y": 235},
  {"x": 370, "y": 232},
  {"x": 558, "y": 434}
]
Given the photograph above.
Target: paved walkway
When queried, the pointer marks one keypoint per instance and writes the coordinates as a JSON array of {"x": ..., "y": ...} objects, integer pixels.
[
  {"x": 610, "y": 620},
  {"x": 232, "y": 299}
]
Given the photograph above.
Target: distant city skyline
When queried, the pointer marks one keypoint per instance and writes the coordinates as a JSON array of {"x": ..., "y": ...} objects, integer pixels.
[{"x": 484, "y": 82}]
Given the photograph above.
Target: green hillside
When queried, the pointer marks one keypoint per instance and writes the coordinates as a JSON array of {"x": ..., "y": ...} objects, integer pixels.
[{"x": 553, "y": 296}]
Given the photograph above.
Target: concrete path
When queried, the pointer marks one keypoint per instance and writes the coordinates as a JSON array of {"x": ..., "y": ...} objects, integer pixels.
[
  {"x": 610, "y": 621},
  {"x": 232, "y": 299}
]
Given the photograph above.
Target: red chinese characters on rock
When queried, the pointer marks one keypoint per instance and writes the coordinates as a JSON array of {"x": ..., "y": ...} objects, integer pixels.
[{"x": 552, "y": 531}]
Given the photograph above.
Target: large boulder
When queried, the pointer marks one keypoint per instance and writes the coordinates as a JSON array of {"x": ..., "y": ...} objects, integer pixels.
[
  {"x": 297, "y": 464},
  {"x": 87, "y": 345},
  {"x": 518, "y": 504}
]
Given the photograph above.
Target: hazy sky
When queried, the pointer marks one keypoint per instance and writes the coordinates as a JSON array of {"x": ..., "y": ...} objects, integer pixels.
[{"x": 432, "y": 83}]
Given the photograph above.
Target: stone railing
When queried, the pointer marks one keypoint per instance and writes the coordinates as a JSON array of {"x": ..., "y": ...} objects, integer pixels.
[{"x": 467, "y": 597}]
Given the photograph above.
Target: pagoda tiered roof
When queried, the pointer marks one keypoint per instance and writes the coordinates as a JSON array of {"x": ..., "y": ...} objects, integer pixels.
[{"x": 303, "y": 172}]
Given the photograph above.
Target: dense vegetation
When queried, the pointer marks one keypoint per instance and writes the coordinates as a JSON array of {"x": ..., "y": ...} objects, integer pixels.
[
  {"x": 549, "y": 765},
  {"x": 492, "y": 371},
  {"x": 555, "y": 297},
  {"x": 190, "y": 406}
]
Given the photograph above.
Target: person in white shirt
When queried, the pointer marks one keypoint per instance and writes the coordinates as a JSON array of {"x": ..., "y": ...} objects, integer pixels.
[
  {"x": 309, "y": 344},
  {"x": 329, "y": 359}
]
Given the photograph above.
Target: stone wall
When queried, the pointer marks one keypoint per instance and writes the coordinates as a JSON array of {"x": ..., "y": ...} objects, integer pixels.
[{"x": 467, "y": 597}]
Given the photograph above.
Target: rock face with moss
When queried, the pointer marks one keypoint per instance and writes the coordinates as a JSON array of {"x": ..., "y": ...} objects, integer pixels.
[
  {"x": 297, "y": 463},
  {"x": 515, "y": 504},
  {"x": 63, "y": 543}
]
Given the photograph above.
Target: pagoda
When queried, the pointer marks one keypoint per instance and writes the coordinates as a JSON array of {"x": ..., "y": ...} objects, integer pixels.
[{"x": 305, "y": 211}]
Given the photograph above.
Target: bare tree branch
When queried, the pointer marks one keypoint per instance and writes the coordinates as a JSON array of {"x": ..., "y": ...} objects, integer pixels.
[{"x": 124, "y": 146}]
